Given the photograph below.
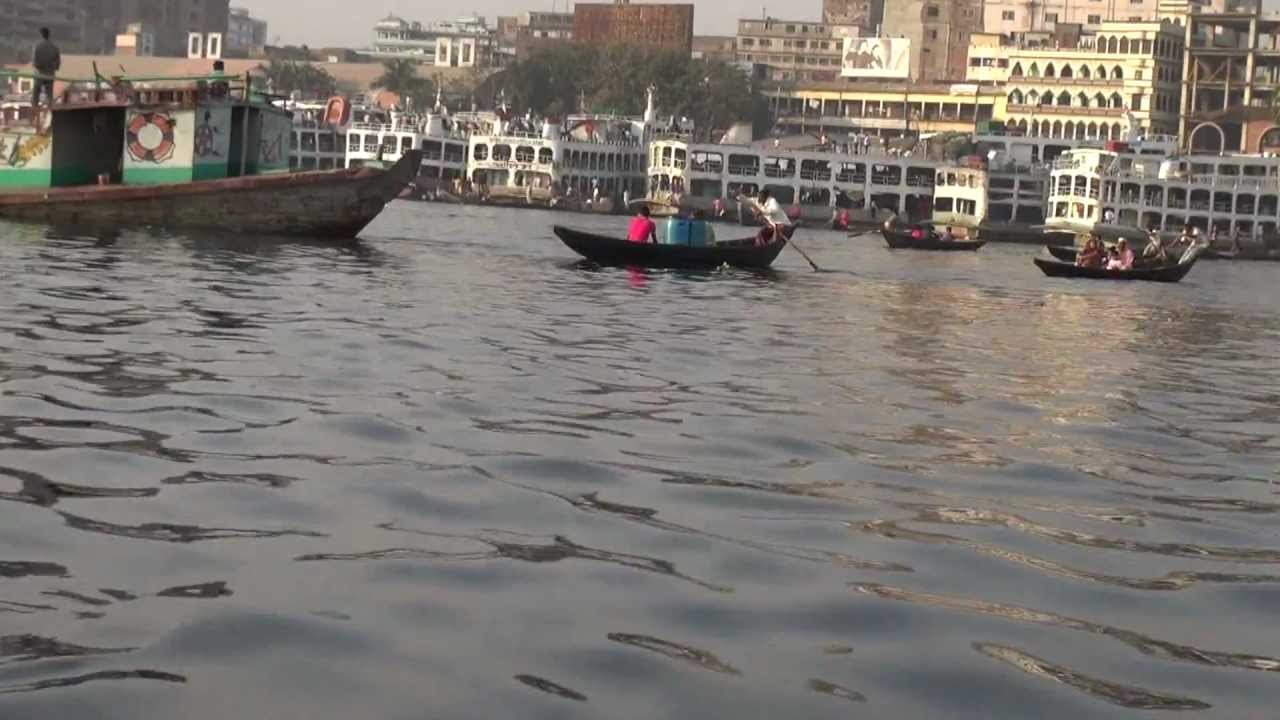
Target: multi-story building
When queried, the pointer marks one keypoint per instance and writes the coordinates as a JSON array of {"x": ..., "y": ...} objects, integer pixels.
[
  {"x": 466, "y": 42},
  {"x": 1019, "y": 16},
  {"x": 137, "y": 40},
  {"x": 1231, "y": 79},
  {"x": 882, "y": 109},
  {"x": 667, "y": 26},
  {"x": 520, "y": 34},
  {"x": 246, "y": 35},
  {"x": 867, "y": 15},
  {"x": 791, "y": 50},
  {"x": 715, "y": 47},
  {"x": 1116, "y": 77},
  {"x": 170, "y": 21},
  {"x": 21, "y": 20},
  {"x": 936, "y": 33}
]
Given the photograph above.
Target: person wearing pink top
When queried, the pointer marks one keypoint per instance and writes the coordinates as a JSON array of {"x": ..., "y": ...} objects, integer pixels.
[
  {"x": 1124, "y": 257},
  {"x": 642, "y": 229}
]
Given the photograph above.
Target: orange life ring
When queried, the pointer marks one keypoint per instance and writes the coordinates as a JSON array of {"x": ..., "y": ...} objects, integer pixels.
[{"x": 150, "y": 137}]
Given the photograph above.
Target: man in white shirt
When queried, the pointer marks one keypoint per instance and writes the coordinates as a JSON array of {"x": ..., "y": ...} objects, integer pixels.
[{"x": 776, "y": 220}]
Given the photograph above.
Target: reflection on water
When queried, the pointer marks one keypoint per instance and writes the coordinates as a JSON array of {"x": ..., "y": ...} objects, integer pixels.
[{"x": 449, "y": 471}]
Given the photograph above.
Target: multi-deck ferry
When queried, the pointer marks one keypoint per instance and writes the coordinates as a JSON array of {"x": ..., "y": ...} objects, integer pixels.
[
  {"x": 1128, "y": 188},
  {"x": 588, "y": 161}
]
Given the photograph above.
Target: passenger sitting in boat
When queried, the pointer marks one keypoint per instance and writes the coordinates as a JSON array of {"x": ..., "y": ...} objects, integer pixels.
[
  {"x": 1123, "y": 259},
  {"x": 642, "y": 229},
  {"x": 946, "y": 235},
  {"x": 917, "y": 233},
  {"x": 1156, "y": 250},
  {"x": 776, "y": 220},
  {"x": 1091, "y": 255}
]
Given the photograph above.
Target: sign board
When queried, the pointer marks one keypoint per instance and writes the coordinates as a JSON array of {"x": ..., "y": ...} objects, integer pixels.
[{"x": 876, "y": 57}]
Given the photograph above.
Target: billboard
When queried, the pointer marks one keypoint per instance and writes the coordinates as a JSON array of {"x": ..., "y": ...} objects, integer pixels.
[{"x": 876, "y": 57}]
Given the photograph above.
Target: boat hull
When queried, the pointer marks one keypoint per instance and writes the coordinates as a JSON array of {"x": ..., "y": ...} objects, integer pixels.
[
  {"x": 1168, "y": 273},
  {"x": 612, "y": 251},
  {"x": 899, "y": 240},
  {"x": 331, "y": 204}
]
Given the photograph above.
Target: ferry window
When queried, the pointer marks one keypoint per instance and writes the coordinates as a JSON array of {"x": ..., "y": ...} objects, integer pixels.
[
  {"x": 681, "y": 156},
  {"x": 593, "y": 161},
  {"x": 309, "y": 142},
  {"x": 371, "y": 143},
  {"x": 455, "y": 153},
  {"x": 431, "y": 149},
  {"x": 328, "y": 143},
  {"x": 524, "y": 154},
  {"x": 784, "y": 194},
  {"x": 942, "y": 204},
  {"x": 777, "y": 167},
  {"x": 852, "y": 173},
  {"x": 815, "y": 196},
  {"x": 708, "y": 162},
  {"x": 406, "y": 144},
  {"x": 481, "y": 152},
  {"x": 308, "y": 163},
  {"x": 545, "y": 156},
  {"x": 748, "y": 189},
  {"x": 744, "y": 164},
  {"x": 968, "y": 207},
  {"x": 354, "y": 145},
  {"x": 666, "y": 157},
  {"x": 293, "y": 141},
  {"x": 502, "y": 153},
  {"x": 887, "y": 175},
  {"x": 704, "y": 188},
  {"x": 951, "y": 178},
  {"x": 293, "y": 162},
  {"x": 326, "y": 163}
]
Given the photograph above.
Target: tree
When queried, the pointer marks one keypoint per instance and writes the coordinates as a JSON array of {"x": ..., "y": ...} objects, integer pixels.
[
  {"x": 401, "y": 77},
  {"x": 285, "y": 77}
]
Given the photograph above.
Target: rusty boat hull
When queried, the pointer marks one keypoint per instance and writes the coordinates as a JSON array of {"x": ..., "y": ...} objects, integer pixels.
[{"x": 331, "y": 204}]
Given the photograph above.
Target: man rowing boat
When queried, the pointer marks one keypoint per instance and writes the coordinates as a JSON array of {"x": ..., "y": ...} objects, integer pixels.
[{"x": 776, "y": 221}]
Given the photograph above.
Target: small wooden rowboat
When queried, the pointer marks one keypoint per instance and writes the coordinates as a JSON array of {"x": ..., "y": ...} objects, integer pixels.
[
  {"x": 1062, "y": 252},
  {"x": 328, "y": 204},
  {"x": 1168, "y": 273},
  {"x": 900, "y": 239},
  {"x": 612, "y": 251}
]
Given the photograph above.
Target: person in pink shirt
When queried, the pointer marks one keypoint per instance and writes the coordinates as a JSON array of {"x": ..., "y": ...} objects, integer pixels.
[
  {"x": 1124, "y": 257},
  {"x": 642, "y": 229}
]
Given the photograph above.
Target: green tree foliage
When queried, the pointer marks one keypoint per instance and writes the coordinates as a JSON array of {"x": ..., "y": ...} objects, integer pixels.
[
  {"x": 561, "y": 79},
  {"x": 285, "y": 77},
  {"x": 401, "y": 77}
]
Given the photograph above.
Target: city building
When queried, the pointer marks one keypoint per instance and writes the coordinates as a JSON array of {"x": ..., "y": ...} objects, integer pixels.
[
  {"x": 246, "y": 35},
  {"x": 1020, "y": 16},
  {"x": 667, "y": 26},
  {"x": 1097, "y": 84},
  {"x": 467, "y": 42},
  {"x": 518, "y": 35},
  {"x": 169, "y": 21},
  {"x": 722, "y": 48},
  {"x": 886, "y": 109},
  {"x": 791, "y": 50},
  {"x": 21, "y": 20},
  {"x": 137, "y": 40},
  {"x": 1231, "y": 79},
  {"x": 867, "y": 15},
  {"x": 935, "y": 34}
]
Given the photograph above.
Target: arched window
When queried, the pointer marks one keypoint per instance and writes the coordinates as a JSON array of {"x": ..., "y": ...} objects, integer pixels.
[
  {"x": 1101, "y": 74},
  {"x": 1102, "y": 43},
  {"x": 1093, "y": 130},
  {"x": 1034, "y": 70},
  {"x": 1015, "y": 97},
  {"x": 1057, "y": 129},
  {"x": 1115, "y": 131},
  {"x": 1022, "y": 126},
  {"x": 1082, "y": 100},
  {"x": 1069, "y": 129},
  {"x": 1047, "y": 98},
  {"x": 1066, "y": 72},
  {"x": 1049, "y": 71},
  {"x": 1016, "y": 71},
  {"x": 1100, "y": 100},
  {"x": 1113, "y": 45},
  {"x": 1124, "y": 46},
  {"x": 1064, "y": 98},
  {"x": 1033, "y": 98},
  {"x": 1117, "y": 73},
  {"x": 1084, "y": 72},
  {"x": 1116, "y": 100}
]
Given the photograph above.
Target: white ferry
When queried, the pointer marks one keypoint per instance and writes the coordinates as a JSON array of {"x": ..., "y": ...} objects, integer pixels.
[
  {"x": 592, "y": 162},
  {"x": 1124, "y": 189},
  {"x": 336, "y": 135}
]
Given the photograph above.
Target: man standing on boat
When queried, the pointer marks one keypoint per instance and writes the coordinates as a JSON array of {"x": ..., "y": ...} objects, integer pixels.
[
  {"x": 776, "y": 220},
  {"x": 47, "y": 60}
]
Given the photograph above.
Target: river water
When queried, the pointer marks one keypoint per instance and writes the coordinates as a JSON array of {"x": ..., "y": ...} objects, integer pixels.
[{"x": 447, "y": 472}]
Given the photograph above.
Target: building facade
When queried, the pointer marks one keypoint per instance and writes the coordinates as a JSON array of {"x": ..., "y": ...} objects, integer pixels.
[
  {"x": 867, "y": 15},
  {"x": 791, "y": 50},
  {"x": 1020, "y": 16},
  {"x": 246, "y": 35},
  {"x": 722, "y": 48},
  {"x": 518, "y": 35},
  {"x": 467, "y": 42},
  {"x": 21, "y": 20},
  {"x": 668, "y": 26},
  {"x": 938, "y": 32},
  {"x": 1120, "y": 77}
]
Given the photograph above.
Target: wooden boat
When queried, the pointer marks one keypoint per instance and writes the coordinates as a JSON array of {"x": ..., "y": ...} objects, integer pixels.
[
  {"x": 329, "y": 204},
  {"x": 900, "y": 239},
  {"x": 612, "y": 251},
  {"x": 1168, "y": 273},
  {"x": 1062, "y": 252}
]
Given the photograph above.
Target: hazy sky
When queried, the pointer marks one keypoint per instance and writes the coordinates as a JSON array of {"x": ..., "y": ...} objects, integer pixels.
[{"x": 350, "y": 22}]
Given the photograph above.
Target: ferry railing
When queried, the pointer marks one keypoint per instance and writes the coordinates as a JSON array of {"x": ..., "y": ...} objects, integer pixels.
[{"x": 775, "y": 172}]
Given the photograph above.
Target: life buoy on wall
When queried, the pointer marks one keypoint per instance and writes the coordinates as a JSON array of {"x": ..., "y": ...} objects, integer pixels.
[{"x": 151, "y": 137}]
